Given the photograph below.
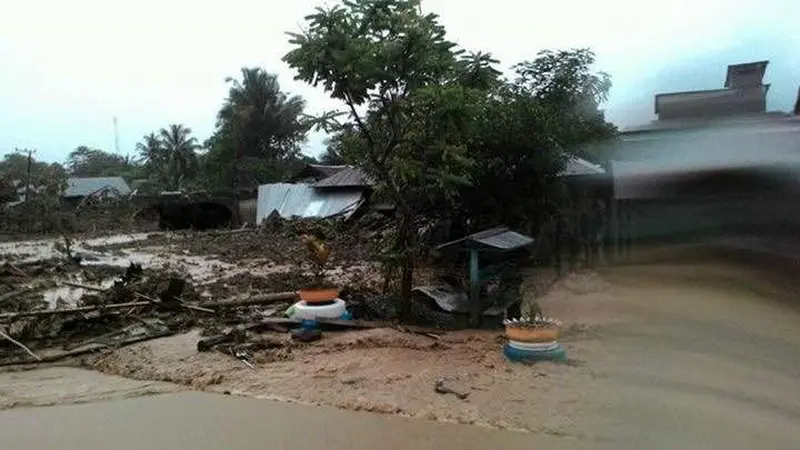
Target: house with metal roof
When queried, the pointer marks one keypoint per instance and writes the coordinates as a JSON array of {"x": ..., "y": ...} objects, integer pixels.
[
  {"x": 84, "y": 187},
  {"x": 349, "y": 177},
  {"x": 339, "y": 194}
]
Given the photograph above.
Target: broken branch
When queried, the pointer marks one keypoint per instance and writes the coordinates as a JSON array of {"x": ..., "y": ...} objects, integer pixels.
[
  {"x": 20, "y": 345},
  {"x": 78, "y": 310},
  {"x": 84, "y": 286},
  {"x": 260, "y": 299}
]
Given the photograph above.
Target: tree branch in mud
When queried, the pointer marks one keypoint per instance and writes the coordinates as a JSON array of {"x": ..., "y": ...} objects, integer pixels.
[{"x": 19, "y": 344}]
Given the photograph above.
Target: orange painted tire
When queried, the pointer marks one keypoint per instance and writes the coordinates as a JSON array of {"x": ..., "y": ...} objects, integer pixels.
[
  {"x": 532, "y": 334},
  {"x": 312, "y": 296}
]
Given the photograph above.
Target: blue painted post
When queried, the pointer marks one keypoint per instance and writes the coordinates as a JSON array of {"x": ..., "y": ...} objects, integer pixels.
[{"x": 474, "y": 280}]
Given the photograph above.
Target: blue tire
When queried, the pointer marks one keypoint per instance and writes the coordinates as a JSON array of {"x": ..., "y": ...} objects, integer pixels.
[{"x": 557, "y": 354}]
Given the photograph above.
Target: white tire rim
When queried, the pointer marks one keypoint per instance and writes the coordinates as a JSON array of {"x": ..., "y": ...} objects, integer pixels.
[
  {"x": 533, "y": 346},
  {"x": 303, "y": 310}
]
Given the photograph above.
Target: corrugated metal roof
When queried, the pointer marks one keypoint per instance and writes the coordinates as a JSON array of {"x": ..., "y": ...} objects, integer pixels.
[
  {"x": 328, "y": 170},
  {"x": 577, "y": 167},
  {"x": 316, "y": 172},
  {"x": 498, "y": 238},
  {"x": 303, "y": 200},
  {"x": 81, "y": 187},
  {"x": 349, "y": 177}
]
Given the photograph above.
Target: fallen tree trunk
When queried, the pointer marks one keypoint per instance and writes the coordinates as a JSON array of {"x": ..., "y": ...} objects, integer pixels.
[
  {"x": 20, "y": 345},
  {"x": 66, "y": 311},
  {"x": 84, "y": 286},
  {"x": 260, "y": 299},
  {"x": 84, "y": 351}
]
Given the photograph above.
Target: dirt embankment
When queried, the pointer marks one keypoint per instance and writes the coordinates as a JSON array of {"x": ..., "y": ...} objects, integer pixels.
[{"x": 381, "y": 370}]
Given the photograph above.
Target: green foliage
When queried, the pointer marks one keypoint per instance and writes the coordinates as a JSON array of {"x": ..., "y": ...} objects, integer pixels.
[
  {"x": 259, "y": 129},
  {"x": 367, "y": 47},
  {"x": 92, "y": 162},
  {"x": 262, "y": 120},
  {"x": 563, "y": 83},
  {"x": 476, "y": 70},
  {"x": 179, "y": 149},
  {"x": 386, "y": 56},
  {"x": 170, "y": 156},
  {"x": 41, "y": 210},
  {"x": 528, "y": 129}
]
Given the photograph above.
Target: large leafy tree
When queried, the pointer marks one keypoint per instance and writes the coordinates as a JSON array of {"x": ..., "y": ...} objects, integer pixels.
[
  {"x": 567, "y": 89},
  {"x": 529, "y": 127},
  {"x": 406, "y": 120},
  {"x": 91, "y": 162},
  {"x": 259, "y": 130}
]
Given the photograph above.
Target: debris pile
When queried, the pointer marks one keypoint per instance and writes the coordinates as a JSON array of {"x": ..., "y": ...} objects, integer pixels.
[
  {"x": 136, "y": 306},
  {"x": 118, "y": 307},
  {"x": 276, "y": 241},
  {"x": 70, "y": 304}
]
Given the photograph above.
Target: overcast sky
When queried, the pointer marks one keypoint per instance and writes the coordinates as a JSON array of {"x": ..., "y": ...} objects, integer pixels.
[{"x": 68, "y": 68}]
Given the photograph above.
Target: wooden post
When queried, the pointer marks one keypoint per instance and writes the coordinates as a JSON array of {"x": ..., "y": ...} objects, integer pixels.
[{"x": 474, "y": 280}]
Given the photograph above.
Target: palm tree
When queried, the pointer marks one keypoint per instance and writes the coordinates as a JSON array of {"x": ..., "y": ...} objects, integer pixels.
[
  {"x": 178, "y": 152},
  {"x": 153, "y": 157},
  {"x": 151, "y": 151},
  {"x": 478, "y": 72},
  {"x": 264, "y": 121}
]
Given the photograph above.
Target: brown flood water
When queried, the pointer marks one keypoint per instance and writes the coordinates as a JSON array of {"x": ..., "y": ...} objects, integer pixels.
[{"x": 194, "y": 421}]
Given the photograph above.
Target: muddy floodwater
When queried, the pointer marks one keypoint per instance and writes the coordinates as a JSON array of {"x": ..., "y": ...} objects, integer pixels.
[{"x": 195, "y": 421}]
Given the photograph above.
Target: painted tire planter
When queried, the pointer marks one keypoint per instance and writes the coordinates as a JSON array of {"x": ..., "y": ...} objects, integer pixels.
[
  {"x": 516, "y": 355},
  {"x": 540, "y": 335},
  {"x": 318, "y": 295},
  {"x": 303, "y": 310},
  {"x": 533, "y": 346}
]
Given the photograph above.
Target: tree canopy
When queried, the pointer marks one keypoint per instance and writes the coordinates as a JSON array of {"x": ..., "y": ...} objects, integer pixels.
[
  {"x": 407, "y": 120},
  {"x": 439, "y": 129},
  {"x": 259, "y": 131}
]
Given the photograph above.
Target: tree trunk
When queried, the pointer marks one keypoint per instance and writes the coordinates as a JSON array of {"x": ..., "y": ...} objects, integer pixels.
[{"x": 406, "y": 247}]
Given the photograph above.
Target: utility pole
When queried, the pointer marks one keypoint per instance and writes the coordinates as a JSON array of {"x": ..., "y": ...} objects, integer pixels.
[
  {"x": 116, "y": 136},
  {"x": 28, "y": 180}
]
